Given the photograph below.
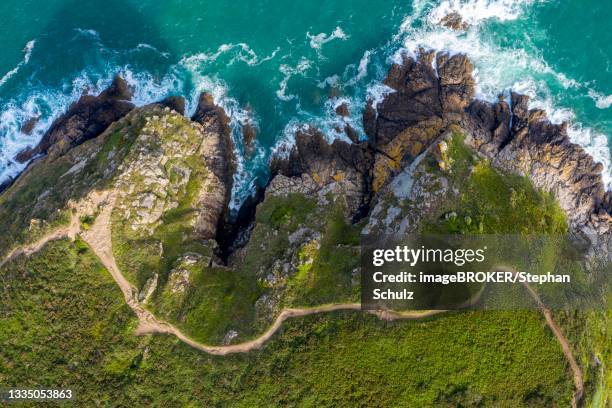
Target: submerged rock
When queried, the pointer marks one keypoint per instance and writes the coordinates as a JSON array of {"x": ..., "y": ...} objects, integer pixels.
[
  {"x": 343, "y": 110},
  {"x": 454, "y": 21},
  {"x": 249, "y": 133},
  {"x": 29, "y": 125}
]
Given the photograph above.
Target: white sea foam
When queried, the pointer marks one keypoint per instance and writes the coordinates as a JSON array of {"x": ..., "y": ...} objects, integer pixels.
[
  {"x": 317, "y": 41},
  {"x": 88, "y": 32},
  {"x": 244, "y": 180},
  {"x": 376, "y": 92},
  {"x": 286, "y": 141},
  {"x": 147, "y": 89},
  {"x": 498, "y": 70},
  {"x": 239, "y": 52},
  {"x": 288, "y": 71},
  {"x": 145, "y": 46},
  {"x": 45, "y": 105},
  {"x": 475, "y": 11},
  {"x": 362, "y": 68},
  {"x": 331, "y": 81},
  {"x": 601, "y": 101},
  {"x": 27, "y": 53}
]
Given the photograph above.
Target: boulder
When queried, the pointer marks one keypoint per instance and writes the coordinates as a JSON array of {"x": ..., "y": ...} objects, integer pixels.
[
  {"x": 454, "y": 21},
  {"x": 249, "y": 133},
  {"x": 342, "y": 110},
  {"x": 28, "y": 125}
]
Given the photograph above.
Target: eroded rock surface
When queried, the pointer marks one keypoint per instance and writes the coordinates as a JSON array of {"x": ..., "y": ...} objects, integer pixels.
[
  {"x": 436, "y": 91},
  {"x": 315, "y": 167},
  {"x": 84, "y": 120}
]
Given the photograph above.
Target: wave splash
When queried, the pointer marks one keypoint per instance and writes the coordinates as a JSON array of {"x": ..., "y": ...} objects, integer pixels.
[
  {"x": 319, "y": 40},
  {"x": 499, "y": 70},
  {"x": 27, "y": 53}
]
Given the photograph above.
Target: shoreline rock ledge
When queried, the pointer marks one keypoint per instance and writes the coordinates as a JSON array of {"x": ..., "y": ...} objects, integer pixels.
[
  {"x": 516, "y": 139},
  {"x": 85, "y": 119}
]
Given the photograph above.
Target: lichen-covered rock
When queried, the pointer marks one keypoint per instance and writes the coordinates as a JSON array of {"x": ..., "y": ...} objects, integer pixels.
[
  {"x": 156, "y": 174},
  {"x": 424, "y": 103},
  {"x": 429, "y": 98}
]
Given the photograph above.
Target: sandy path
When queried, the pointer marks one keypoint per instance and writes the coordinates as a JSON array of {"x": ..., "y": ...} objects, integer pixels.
[
  {"x": 99, "y": 239},
  {"x": 567, "y": 350},
  {"x": 558, "y": 333},
  {"x": 69, "y": 231}
]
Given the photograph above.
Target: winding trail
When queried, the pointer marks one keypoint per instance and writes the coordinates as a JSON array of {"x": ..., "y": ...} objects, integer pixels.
[
  {"x": 98, "y": 237},
  {"x": 70, "y": 231},
  {"x": 567, "y": 350}
]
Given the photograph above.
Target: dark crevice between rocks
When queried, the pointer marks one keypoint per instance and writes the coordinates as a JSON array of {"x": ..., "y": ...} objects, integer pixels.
[{"x": 234, "y": 232}]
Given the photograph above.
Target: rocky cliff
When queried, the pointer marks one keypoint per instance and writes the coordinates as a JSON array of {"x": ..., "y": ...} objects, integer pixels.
[
  {"x": 436, "y": 91},
  {"x": 84, "y": 120},
  {"x": 169, "y": 180},
  {"x": 150, "y": 189}
]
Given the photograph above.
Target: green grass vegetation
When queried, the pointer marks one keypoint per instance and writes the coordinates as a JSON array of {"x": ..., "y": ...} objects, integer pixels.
[
  {"x": 494, "y": 203},
  {"x": 219, "y": 300},
  {"x": 64, "y": 324},
  {"x": 24, "y": 215},
  {"x": 141, "y": 255},
  {"x": 491, "y": 202},
  {"x": 324, "y": 262},
  {"x": 325, "y": 275},
  {"x": 215, "y": 299},
  {"x": 589, "y": 332}
]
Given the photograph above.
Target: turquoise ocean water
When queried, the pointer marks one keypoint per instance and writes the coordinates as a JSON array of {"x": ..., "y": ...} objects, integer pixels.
[{"x": 279, "y": 65}]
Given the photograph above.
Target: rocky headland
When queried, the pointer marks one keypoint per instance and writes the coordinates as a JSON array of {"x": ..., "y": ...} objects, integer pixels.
[{"x": 148, "y": 190}]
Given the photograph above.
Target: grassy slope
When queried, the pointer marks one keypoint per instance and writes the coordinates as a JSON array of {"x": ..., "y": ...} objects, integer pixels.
[
  {"x": 324, "y": 267},
  {"x": 69, "y": 328},
  {"x": 495, "y": 358},
  {"x": 44, "y": 190}
]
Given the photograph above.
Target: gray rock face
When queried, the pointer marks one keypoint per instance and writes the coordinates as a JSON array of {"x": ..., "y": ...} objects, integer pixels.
[
  {"x": 431, "y": 94},
  {"x": 220, "y": 159}
]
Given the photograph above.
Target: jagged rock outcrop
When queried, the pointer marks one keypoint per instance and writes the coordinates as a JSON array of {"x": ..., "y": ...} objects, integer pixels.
[
  {"x": 315, "y": 166},
  {"x": 541, "y": 150},
  {"x": 220, "y": 160},
  {"x": 84, "y": 120},
  {"x": 428, "y": 97},
  {"x": 249, "y": 134},
  {"x": 176, "y": 103},
  {"x": 423, "y": 103}
]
